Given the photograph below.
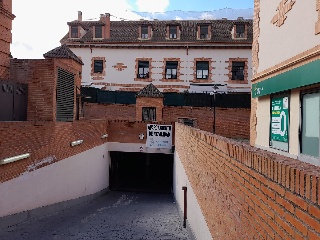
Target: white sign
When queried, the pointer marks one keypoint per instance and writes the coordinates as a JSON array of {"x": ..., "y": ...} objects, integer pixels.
[{"x": 159, "y": 136}]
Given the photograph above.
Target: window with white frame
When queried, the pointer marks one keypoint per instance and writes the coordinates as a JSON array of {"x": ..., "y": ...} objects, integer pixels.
[
  {"x": 240, "y": 31},
  {"x": 171, "y": 69},
  {"x": 98, "y": 32},
  {"x": 237, "y": 70},
  {"x": 173, "y": 32},
  {"x": 204, "y": 32},
  {"x": 202, "y": 69},
  {"x": 143, "y": 69},
  {"x": 144, "y": 32},
  {"x": 74, "y": 32}
]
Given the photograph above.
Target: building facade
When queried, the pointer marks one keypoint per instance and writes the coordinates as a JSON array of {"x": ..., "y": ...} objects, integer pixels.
[
  {"x": 6, "y": 18},
  {"x": 173, "y": 55},
  {"x": 286, "y": 78}
]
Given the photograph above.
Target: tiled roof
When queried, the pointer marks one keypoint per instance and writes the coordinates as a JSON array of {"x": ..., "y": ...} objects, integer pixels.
[
  {"x": 150, "y": 91},
  {"x": 62, "y": 52},
  {"x": 128, "y": 31}
]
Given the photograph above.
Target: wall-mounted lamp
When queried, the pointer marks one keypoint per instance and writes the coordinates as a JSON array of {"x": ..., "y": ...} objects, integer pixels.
[
  {"x": 75, "y": 143},
  {"x": 104, "y": 136},
  {"x": 15, "y": 158}
]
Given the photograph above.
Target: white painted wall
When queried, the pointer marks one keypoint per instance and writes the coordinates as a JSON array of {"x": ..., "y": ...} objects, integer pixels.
[
  {"x": 195, "y": 218},
  {"x": 220, "y": 58},
  {"x": 296, "y": 35},
  {"x": 135, "y": 147},
  {"x": 263, "y": 121},
  {"x": 77, "y": 176}
]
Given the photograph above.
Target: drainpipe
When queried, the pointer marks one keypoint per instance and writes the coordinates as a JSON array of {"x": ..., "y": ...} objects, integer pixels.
[{"x": 184, "y": 206}]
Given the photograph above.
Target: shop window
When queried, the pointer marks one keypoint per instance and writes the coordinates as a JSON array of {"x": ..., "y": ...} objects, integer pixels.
[
  {"x": 310, "y": 130},
  {"x": 148, "y": 114},
  {"x": 98, "y": 66},
  {"x": 237, "y": 71},
  {"x": 202, "y": 69},
  {"x": 143, "y": 69},
  {"x": 171, "y": 69}
]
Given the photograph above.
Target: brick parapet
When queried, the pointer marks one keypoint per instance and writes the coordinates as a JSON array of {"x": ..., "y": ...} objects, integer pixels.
[
  {"x": 245, "y": 192},
  {"x": 47, "y": 142}
]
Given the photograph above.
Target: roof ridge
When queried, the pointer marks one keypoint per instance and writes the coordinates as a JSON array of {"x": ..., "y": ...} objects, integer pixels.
[
  {"x": 150, "y": 91},
  {"x": 62, "y": 51}
]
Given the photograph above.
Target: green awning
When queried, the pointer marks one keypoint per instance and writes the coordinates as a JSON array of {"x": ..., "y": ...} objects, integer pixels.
[{"x": 301, "y": 76}]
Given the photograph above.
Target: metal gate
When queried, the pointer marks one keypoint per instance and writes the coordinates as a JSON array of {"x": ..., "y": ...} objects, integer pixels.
[{"x": 13, "y": 101}]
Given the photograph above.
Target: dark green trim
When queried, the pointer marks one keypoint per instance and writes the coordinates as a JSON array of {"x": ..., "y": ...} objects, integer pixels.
[{"x": 301, "y": 76}]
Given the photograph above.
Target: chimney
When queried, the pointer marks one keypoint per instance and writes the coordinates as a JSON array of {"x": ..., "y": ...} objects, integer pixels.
[
  {"x": 107, "y": 26},
  {"x": 79, "y": 16}
]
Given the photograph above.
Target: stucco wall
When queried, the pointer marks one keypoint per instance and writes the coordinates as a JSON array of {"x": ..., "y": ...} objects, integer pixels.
[
  {"x": 296, "y": 35},
  {"x": 77, "y": 176},
  {"x": 195, "y": 219},
  {"x": 220, "y": 63}
]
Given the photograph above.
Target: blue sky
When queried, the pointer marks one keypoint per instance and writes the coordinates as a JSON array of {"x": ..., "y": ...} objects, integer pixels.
[
  {"x": 201, "y": 5},
  {"x": 37, "y": 32}
]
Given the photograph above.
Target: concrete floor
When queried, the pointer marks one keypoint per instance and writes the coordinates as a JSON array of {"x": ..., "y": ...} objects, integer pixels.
[{"x": 116, "y": 215}]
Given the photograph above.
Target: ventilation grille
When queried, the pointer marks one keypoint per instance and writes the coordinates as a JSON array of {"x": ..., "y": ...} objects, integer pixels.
[{"x": 65, "y": 96}]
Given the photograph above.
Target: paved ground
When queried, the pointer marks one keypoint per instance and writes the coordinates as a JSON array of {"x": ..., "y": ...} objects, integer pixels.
[{"x": 116, "y": 215}]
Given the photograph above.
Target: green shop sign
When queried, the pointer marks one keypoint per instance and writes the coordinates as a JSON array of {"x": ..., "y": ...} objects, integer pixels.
[
  {"x": 279, "y": 119},
  {"x": 301, "y": 76}
]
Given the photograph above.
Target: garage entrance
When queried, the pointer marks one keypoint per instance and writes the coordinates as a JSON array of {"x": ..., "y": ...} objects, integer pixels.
[{"x": 142, "y": 172}]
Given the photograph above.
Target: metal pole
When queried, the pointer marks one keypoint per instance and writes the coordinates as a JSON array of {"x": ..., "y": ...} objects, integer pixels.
[
  {"x": 214, "y": 112},
  {"x": 184, "y": 206}
]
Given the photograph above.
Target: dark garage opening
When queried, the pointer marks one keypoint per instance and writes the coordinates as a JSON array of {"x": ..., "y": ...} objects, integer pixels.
[{"x": 142, "y": 172}]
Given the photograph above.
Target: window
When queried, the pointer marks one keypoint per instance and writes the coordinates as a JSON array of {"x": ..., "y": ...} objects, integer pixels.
[
  {"x": 240, "y": 31},
  {"x": 144, "y": 32},
  {"x": 143, "y": 69},
  {"x": 310, "y": 145},
  {"x": 74, "y": 31},
  {"x": 98, "y": 66},
  {"x": 204, "y": 33},
  {"x": 148, "y": 114},
  {"x": 202, "y": 68},
  {"x": 173, "y": 32},
  {"x": 237, "y": 71},
  {"x": 98, "y": 32},
  {"x": 171, "y": 69}
]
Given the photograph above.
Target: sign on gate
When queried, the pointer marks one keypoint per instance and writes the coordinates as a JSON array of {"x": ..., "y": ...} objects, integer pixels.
[{"x": 159, "y": 136}]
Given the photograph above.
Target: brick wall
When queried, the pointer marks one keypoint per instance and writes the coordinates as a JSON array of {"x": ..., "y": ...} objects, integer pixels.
[
  {"x": 149, "y": 102},
  {"x": 41, "y": 77},
  {"x": 230, "y": 122},
  {"x": 128, "y": 131},
  {"x": 6, "y": 18},
  {"x": 246, "y": 193},
  {"x": 109, "y": 111},
  {"x": 45, "y": 141}
]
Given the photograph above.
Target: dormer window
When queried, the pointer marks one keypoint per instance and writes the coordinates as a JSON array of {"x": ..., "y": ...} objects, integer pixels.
[
  {"x": 74, "y": 32},
  {"x": 173, "y": 32},
  {"x": 240, "y": 30},
  {"x": 98, "y": 32},
  {"x": 144, "y": 32},
  {"x": 204, "y": 32}
]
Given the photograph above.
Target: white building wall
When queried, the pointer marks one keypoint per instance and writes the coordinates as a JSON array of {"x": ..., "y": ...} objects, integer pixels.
[
  {"x": 77, "y": 176},
  {"x": 296, "y": 35},
  {"x": 195, "y": 219},
  {"x": 220, "y": 63}
]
